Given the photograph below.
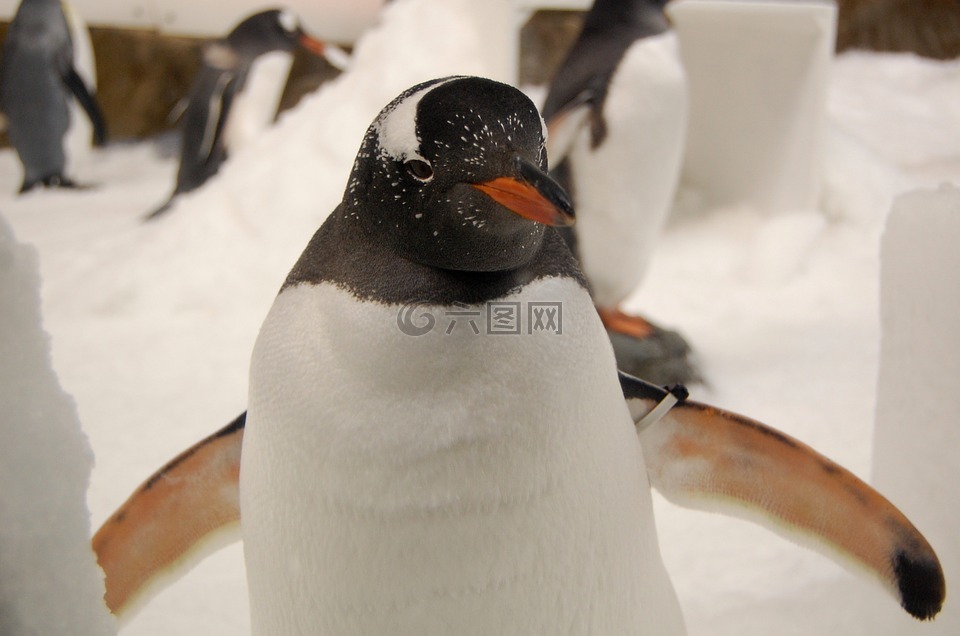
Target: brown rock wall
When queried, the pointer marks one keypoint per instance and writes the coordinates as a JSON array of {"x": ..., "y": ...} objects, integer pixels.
[{"x": 142, "y": 74}]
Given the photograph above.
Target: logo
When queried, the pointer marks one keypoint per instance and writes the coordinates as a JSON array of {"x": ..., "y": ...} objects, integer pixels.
[
  {"x": 413, "y": 320},
  {"x": 543, "y": 316},
  {"x": 511, "y": 318}
]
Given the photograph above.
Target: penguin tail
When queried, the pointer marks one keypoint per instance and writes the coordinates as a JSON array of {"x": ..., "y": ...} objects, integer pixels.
[
  {"x": 703, "y": 457},
  {"x": 183, "y": 512}
]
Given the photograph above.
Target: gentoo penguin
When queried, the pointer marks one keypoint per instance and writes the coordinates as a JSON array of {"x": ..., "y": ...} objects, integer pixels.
[
  {"x": 37, "y": 78},
  {"x": 222, "y": 77},
  {"x": 617, "y": 111},
  {"x": 423, "y": 456}
]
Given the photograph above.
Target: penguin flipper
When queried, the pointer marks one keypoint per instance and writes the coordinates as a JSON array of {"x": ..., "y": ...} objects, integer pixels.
[
  {"x": 78, "y": 87},
  {"x": 564, "y": 126},
  {"x": 703, "y": 457},
  {"x": 210, "y": 153},
  {"x": 183, "y": 512},
  {"x": 223, "y": 64},
  {"x": 215, "y": 119}
]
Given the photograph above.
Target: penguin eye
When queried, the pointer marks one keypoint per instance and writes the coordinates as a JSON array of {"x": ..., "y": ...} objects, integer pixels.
[{"x": 419, "y": 169}]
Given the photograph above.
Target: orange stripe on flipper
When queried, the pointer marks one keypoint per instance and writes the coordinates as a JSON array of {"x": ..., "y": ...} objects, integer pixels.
[
  {"x": 698, "y": 455},
  {"x": 191, "y": 498}
]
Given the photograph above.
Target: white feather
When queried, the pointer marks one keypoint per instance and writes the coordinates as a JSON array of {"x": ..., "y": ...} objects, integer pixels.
[
  {"x": 397, "y": 128},
  {"x": 624, "y": 188},
  {"x": 255, "y": 107},
  {"x": 77, "y": 141},
  {"x": 288, "y": 21},
  {"x": 451, "y": 483}
]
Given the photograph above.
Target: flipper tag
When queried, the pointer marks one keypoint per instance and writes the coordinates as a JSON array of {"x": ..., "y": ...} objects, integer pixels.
[{"x": 675, "y": 394}]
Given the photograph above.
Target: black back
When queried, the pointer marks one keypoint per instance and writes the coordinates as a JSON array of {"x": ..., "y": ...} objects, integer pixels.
[
  {"x": 609, "y": 28},
  {"x": 262, "y": 33}
]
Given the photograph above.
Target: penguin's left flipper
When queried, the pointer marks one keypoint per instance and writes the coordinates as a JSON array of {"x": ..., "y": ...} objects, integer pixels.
[
  {"x": 186, "y": 510},
  {"x": 78, "y": 87},
  {"x": 703, "y": 457}
]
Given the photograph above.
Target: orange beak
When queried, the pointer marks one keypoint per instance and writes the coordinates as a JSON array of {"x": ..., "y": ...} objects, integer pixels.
[
  {"x": 533, "y": 195},
  {"x": 311, "y": 44}
]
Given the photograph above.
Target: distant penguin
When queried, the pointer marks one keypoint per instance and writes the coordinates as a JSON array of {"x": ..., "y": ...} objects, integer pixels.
[
  {"x": 617, "y": 111},
  {"x": 426, "y": 454},
  {"x": 222, "y": 78},
  {"x": 37, "y": 79}
]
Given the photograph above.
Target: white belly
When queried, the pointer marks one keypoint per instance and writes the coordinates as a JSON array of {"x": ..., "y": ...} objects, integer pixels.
[
  {"x": 77, "y": 141},
  {"x": 625, "y": 188},
  {"x": 397, "y": 484},
  {"x": 255, "y": 107}
]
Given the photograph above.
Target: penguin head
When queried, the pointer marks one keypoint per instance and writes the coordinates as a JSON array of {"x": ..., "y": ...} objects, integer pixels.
[
  {"x": 452, "y": 175},
  {"x": 42, "y": 26},
  {"x": 272, "y": 30}
]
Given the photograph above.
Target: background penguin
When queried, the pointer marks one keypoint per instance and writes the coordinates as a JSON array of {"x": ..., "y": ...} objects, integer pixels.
[
  {"x": 37, "y": 78},
  {"x": 219, "y": 84},
  {"x": 617, "y": 112},
  {"x": 463, "y": 481}
]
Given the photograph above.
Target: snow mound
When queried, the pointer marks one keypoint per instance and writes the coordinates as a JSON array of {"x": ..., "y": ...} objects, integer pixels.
[
  {"x": 917, "y": 430},
  {"x": 51, "y": 583}
]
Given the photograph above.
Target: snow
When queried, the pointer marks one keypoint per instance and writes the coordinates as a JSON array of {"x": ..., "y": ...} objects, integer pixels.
[
  {"x": 782, "y": 53},
  {"x": 51, "y": 583},
  {"x": 917, "y": 429},
  {"x": 152, "y": 325}
]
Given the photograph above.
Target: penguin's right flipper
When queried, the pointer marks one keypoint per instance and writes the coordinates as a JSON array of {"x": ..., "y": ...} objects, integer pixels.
[
  {"x": 706, "y": 458},
  {"x": 186, "y": 510},
  {"x": 203, "y": 126},
  {"x": 225, "y": 62},
  {"x": 89, "y": 103},
  {"x": 218, "y": 106}
]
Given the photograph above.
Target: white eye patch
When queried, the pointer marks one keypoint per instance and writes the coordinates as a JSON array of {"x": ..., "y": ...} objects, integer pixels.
[
  {"x": 397, "y": 129},
  {"x": 288, "y": 21}
]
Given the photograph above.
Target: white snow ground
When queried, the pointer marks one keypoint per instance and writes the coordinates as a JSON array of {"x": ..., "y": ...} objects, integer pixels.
[
  {"x": 45, "y": 463},
  {"x": 152, "y": 325}
]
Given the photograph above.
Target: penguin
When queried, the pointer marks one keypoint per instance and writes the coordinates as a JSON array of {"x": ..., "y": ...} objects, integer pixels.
[
  {"x": 226, "y": 66},
  {"x": 37, "y": 80},
  {"x": 617, "y": 111},
  {"x": 410, "y": 463}
]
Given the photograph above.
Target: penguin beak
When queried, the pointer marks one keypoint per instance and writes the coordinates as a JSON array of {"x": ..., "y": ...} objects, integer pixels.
[
  {"x": 531, "y": 194},
  {"x": 313, "y": 45}
]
